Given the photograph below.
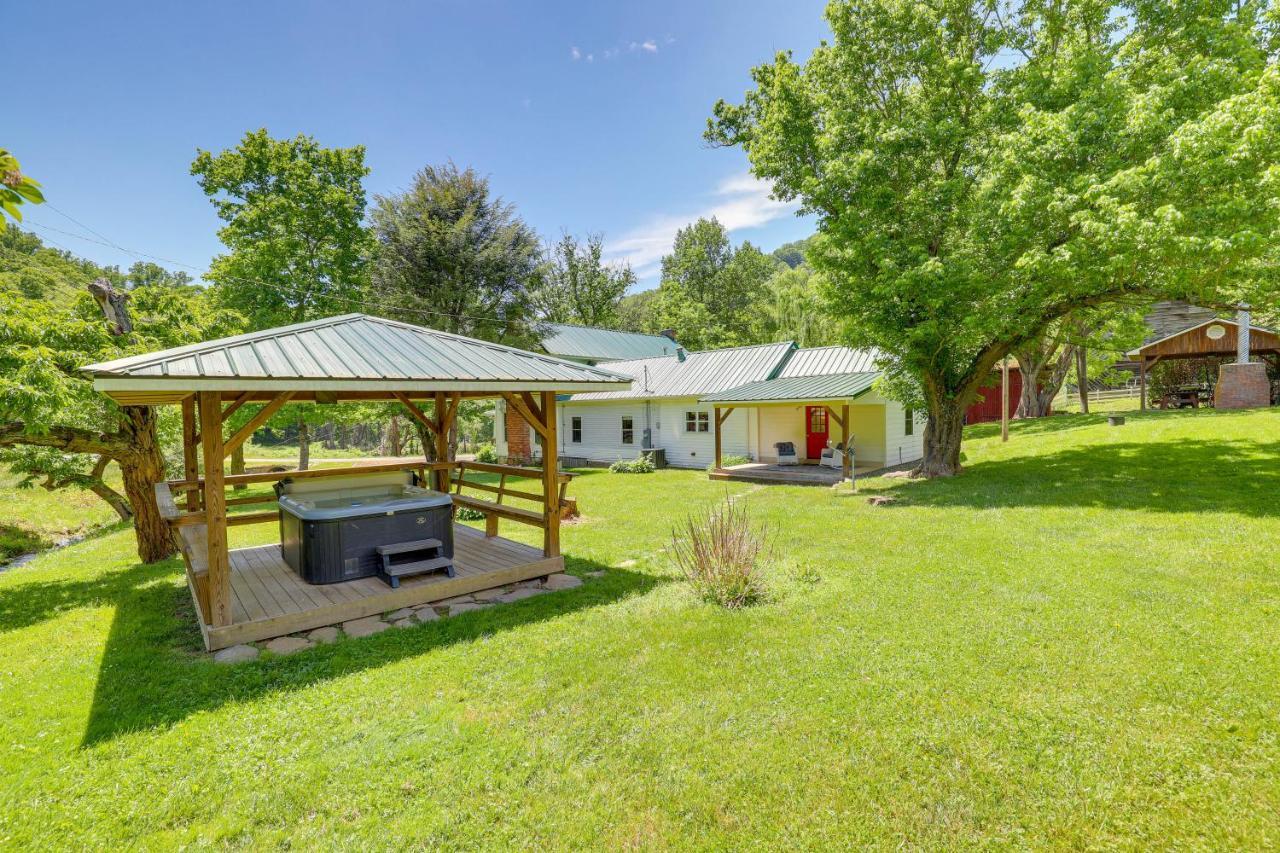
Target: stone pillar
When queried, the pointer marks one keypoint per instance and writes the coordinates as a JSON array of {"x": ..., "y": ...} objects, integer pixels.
[{"x": 1244, "y": 384}]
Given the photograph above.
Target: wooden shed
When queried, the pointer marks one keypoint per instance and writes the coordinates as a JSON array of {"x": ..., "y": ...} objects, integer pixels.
[
  {"x": 1213, "y": 337},
  {"x": 251, "y": 594}
]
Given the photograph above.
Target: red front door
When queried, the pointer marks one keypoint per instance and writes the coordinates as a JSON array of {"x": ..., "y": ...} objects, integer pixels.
[{"x": 815, "y": 430}]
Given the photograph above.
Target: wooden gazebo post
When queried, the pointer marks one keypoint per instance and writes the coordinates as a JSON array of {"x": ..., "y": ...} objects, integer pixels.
[
  {"x": 550, "y": 477},
  {"x": 215, "y": 509}
]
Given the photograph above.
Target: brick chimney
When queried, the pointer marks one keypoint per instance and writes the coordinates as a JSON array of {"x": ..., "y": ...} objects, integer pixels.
[
  {"x": 518, "y": 449},
  {"x": 1243, "y": 384},
  {"x": 669, "y": 333}
]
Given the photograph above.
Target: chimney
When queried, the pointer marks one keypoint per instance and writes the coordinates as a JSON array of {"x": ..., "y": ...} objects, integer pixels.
[
  {"x": 1242, "y": 334},
  {"x": 669, "y": 333}
]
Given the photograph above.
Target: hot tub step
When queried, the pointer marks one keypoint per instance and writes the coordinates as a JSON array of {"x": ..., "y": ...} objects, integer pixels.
[
  {"x": 392, "y": 573},
  {"x": 405, "y": 547}
]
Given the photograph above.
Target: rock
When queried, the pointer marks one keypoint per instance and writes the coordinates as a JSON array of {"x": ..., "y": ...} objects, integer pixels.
[
  {"x": 457, "y": 599},
  {"x": 426, "y": 614},
  {"x": 532, "y": 583},
  {"x": 235, "y": 654},
  {"x": 897, "y": 475},
  {"x": 286, "y": 645},
  {"x": 598, "y": 574},
  {"x": 327, "y": 634},
  {"x": 562, "y": 581},
  {"x": 489, "y": 594},
  {"x": 464, "y": 607},
  {"x": 364, "y": 627},
  {"x": 406, "y": 622},
  {"x": 402, "y": 613},
  {"x": 881, "y": 500},
  {"x": 521, "y": 593}
]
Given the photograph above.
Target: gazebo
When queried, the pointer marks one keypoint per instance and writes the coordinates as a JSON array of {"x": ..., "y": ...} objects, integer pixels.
[
  {"x": 250, "y": 594},
  {"x": 1241, "y": 384}
]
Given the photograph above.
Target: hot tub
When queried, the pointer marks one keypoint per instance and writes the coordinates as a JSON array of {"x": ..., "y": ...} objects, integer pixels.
[{"x": 330, "y": 529}]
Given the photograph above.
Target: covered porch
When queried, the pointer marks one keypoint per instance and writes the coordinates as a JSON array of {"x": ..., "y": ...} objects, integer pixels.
[{"x": 251, "y": 594}]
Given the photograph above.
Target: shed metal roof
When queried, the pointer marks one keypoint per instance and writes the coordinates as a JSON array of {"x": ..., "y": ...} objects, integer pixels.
[
  {"x": 698, "y": 373},
  {"x": 350, "y": 352},
  {"x": 799, "y": 389},
  {"x": 825, "y": 361},
  {"x": 594, "y": 344}
]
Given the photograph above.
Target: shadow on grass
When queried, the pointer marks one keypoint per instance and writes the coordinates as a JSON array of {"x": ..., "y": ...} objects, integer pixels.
[
  {"x": 154, "y": 671},
  {"x": 1236, "y": 476},
  {"x": 1065, "y": 422}
]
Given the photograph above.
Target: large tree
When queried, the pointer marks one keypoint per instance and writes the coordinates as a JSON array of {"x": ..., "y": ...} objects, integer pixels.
[
  {"x": 452, "y": 256},
  {"x": 293, "y": 216},
  {"x": 981, "y": 170},
  {"x": 575, "y": 285},
  {"x": 711, "y": 291}
]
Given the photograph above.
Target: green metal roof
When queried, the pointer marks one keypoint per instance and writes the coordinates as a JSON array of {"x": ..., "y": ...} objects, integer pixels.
[
  {"x": 350, "y": 352},
  {"x": 584, "y": 342},
  {"x": 797, "y": 389},
  {"x": 695, "y": 373}
]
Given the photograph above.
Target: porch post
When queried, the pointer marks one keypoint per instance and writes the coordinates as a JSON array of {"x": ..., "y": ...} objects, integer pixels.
[
  {"x": 190, "y": 462},
  {"x": 1004, "y": 399},
  {"x": 1142, "y": 384},
  {"x": 847, "y": 460},
  {"x": 441, "y": 436},
  {"x": 719, "y": 452},
  {"x": 550, "y": 477},
  {"x": 215, "y": 509}
]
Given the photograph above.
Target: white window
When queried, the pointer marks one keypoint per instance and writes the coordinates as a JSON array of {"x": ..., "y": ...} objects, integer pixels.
[
  {"x": 909, "y": 422},
  {"x": 628, "y": 431},
  {"x": 697, "y": 421},
  {"x": 576, "y": 430}
]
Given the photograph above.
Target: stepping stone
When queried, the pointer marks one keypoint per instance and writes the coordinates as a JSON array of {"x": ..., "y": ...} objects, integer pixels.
[
  {"x": 464, "y": 607},
  {"x": 426, "y": 614},
  {"x": 488, "y": 594},
  {"x": 562, "y": 581},
  {"x": 457, "y": 599},
  {"x": 235, "y": 654},
  {"x": 327, "y": 634},
  {"x": 529, "y": 584},
  {"x": 286, "y": 645},
  {"x": 402, "y": 613},
  {"x": 406, "y": 622},
  {"x": 364, "y": 627},
  {"x": 524, "y": 592}
]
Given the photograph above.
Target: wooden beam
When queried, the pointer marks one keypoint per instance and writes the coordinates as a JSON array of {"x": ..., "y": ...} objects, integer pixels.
[
  {"x": 538, "y": 414},
  {"x": 1004, "y": 399},
  {"x": 263, "y": 415},
  {"x": 417, "y": 414},
  {"x": 235, "y": 405},
  {"x": 530, "y": 418},
  {"x": 846, "y": 460},
  {"x": 831, "y": 413},
  {"x": 252, "y": 517},
  {"x": 550, "y": 480},
  {"x": 724, "y": 417},
  {"x": 719, "y": 452},
  {"x": 219, "y": 560},
  {"x": 1142, "y": 384},
  {"x": 190, "y": 459},
  {"x": 276, "y": 476}
]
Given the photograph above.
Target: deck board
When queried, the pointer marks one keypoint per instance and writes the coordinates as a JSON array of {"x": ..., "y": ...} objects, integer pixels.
[{"x": 268, "y": 599}]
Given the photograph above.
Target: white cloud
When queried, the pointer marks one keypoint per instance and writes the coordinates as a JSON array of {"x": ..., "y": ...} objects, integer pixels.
[
  {"x": 741, "y": 201},
  {"x": 608, "y": 53},
  {"x": 575, "y": 54},
  {"x": 649, "y": 45}
]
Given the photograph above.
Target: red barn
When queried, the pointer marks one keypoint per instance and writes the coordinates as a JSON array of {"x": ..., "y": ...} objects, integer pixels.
[{"x": 987, "y": 407}]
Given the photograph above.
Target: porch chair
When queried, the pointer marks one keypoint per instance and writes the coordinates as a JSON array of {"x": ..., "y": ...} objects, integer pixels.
[
  {"x": 833, "y": 457},
  {"x": 786, "y": 453}
]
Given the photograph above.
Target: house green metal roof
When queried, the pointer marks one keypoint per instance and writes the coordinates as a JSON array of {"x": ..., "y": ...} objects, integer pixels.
[
  {"x": 798, "y": 389},
  {"x": 591, "y": 344},
  {"x": 695, "y": 373},
  {"x": 353, "y": 352}
]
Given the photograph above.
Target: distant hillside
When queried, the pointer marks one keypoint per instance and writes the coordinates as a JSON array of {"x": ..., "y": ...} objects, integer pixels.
[
  {"x": 30, "y": 269},
  {"x": 792, "y": 254}
]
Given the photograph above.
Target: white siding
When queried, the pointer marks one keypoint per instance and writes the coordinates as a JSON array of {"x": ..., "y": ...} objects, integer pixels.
[
  {"x": 698, "y": 449},
  {"x": 602, "y": 431},
  {"x": 900, "y": 447}
]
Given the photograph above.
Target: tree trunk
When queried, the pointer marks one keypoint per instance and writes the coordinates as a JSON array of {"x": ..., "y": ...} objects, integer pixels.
[
  {"x": 99, "y": 487},
  {"x": 1082, "y": 378},
  {"x": 943, "y": 432},
  {"x": 304, "y": 445},
  {"x": 391, "y": 445},
  {"x": 237, "y": 465},
  {"x": 1042, "y": 378},
  {"x": 142, "y": 467}
]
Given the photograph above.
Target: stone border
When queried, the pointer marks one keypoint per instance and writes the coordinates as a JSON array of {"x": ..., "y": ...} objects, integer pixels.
[{"x": 405, "y": 617}]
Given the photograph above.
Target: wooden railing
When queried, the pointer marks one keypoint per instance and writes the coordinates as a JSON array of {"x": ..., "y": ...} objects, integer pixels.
[{"x": 495, "y": 509}]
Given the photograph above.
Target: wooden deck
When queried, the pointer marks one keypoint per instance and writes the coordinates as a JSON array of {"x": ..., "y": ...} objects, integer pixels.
[
  {"x": 796, "y": 475},
  {"x": 270, "y": 600}
]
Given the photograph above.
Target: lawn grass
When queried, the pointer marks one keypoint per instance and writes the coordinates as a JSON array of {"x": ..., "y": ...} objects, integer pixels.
[
  {"x": 1071, "y": 645},
  {"x": 34, "y": 518}
]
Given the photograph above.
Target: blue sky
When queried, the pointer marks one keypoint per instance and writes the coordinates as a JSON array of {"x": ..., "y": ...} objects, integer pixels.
[{"x": 587, "y": 116}]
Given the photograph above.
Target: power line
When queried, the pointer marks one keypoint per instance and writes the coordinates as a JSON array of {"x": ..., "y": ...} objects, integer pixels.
[{"x": 278, "y": 288}]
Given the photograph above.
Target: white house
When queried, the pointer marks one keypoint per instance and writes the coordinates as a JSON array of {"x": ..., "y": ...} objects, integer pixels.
[{"x": 768, "y": 394}]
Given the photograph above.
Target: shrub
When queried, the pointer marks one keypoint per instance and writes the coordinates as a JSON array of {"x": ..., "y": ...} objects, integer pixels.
[
  {"x": 729, "y": 459},
  {"x": 722, "y": 555},
  {"x": 487, "y": 453},
  {"x": 466, "y": 513},
  {"x": 639, "y": 465}
]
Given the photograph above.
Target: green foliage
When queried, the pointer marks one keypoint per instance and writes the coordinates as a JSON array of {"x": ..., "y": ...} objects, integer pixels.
[
  {"x": 466, "y": 513},
  {"x": 454, "y": 257},
  {"x": 728, "y": 460},
  {"x": 792, "y": 254},
  {"x": 636, "y": 312},
  {"x": 574, "y": 285},
  {"x": 31, "y": 270},
  {"x": 293, "y": 214},
  {"x": 710, "y": 291},
  {"x": 639, "y": 465},
  {"x": 793, "y": 309},
  {"x": 147, "y": 274},
  {"x": 977, "y": 176},
  {"x": 16, "y": 189},
  {"x": 487, "y": 453}
]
